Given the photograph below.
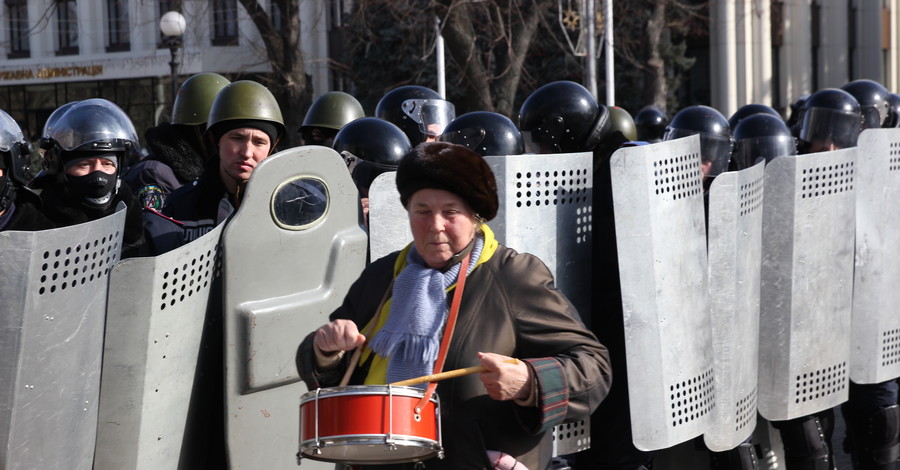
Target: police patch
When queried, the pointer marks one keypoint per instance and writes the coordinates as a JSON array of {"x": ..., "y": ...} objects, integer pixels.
[{"x": 152, "y": 196}]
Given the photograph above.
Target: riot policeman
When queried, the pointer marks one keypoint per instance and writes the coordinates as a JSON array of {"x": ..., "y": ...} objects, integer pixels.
[
  {"x": 650, "y": 123},
  {"x": 370, "y": 146},
  {"x": 873, "y": 101},
  {"x": 715, "y": 138},
  {"x": 760, "y": 135},
  {"x": 749, "y": 110},
  {"x": 621, "y": 120},
  {"x": 244, "y": 126},
  {"x": 798, "y": 107},
  {"x": 485, "y": 132},
  {"x": 178, "y": 153},
  {"x": 327, "y": 115},
  {"x": 20, "y": 208},
  {"x": 893, "y": 116},
  {"x": 84, "y": 150},
  {"x": 420, "y": 112},
  {"x": 562, "y": 117}
]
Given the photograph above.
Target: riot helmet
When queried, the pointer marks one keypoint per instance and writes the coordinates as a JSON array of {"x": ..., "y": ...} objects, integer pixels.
[
  {"x": 872, "y": 98},
  {"x": 14, "y": 159},
  {"x": 91, "y": 129},
  {"x": 486, "y": 133},
  {"x": 327, "y": 115},
  {"x": 715, "y": 136},
  {"x": 195, "y": 97},
  {"x": 832, "y": 120},
  {"x": 798, "y": 107},
  {"x": 650, "y": 123},
  {"x": 761, "y": 135},
  {"x": 893, "y": 116},
  {"x": 245, "y": 103},
  {"x": 370, "y": 146},
  {"x": 51, "y": 121},
  {"x": 749, "y": 110},
  {"x": 621, "y": 120},
  {"x": 563, "y": 117},
  {"x": 418, "y": 111}
]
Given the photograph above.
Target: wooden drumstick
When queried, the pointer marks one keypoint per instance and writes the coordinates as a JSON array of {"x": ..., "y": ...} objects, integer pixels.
[{"x": 449, "y": 374}]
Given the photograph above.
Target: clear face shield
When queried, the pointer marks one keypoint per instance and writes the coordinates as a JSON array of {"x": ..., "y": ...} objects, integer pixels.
[
  {"x": 431, "y": 115},
  {"x": 470, "y": 138},
  {"x": 364, "y": 172},
  {"x": 715, "y": 150},
  {"x": 747, "y": 151},
  {"x": 873, "y": 117},
  {"x": 546, "y": 137},
  {"x": 826, "y": 129}
]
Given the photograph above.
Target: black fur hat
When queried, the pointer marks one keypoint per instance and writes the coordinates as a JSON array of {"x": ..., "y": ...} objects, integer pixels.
[{"x": 453, "y": 168}]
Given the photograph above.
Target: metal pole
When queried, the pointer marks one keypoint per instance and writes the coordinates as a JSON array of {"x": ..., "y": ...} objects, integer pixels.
[
  {"x": 439, "y": 55},
  {"x": 610, "y": 67},
  {"x": 590, "y": 69},
  {"x": 173, "y": 48}
]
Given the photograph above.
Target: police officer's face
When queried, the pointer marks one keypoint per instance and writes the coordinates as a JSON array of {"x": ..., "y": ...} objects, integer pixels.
[
  {"x": 240, "y": 150},
  {"x": 90, "y": 165},
  {"x": 442, "y": 225}
]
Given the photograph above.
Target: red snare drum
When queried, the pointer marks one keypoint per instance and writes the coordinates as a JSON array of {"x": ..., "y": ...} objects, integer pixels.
[{"x": 369, "y": 424}]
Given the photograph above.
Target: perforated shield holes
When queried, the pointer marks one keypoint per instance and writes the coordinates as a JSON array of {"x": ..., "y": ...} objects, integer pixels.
[
  {"x": 66, "y": 267},
  {"x": 819, "y": 181},
  {"x": 820, "y": 383},
  {"x": 182, "y": 282},
  {"x": 678, "y": 177},
  {"x": 691, "y": 399}
]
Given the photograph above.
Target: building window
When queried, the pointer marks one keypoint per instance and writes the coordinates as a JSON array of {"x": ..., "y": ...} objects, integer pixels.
[
  {"x": 66, "y": 27},
  {"x": 19, "y": 45},
  {"x": 224, "y": 23},
  {"x": 119, "y": 33}
]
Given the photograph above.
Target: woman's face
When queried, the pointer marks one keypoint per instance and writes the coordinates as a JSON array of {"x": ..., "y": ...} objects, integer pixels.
[{"x": 442, "y": 225}]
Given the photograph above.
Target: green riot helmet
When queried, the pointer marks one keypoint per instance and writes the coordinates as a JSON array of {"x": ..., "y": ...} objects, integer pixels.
[
  {"x": 371, "y": 146},
  {"x": 245, "y": 103},
  {"x": 92, "y": 126},
  {"x": 195, "y": 97},
  {"x": 391, "y": 108},
  {"x": 327, "y": 115},
  {"x": 621, "y": 120}
]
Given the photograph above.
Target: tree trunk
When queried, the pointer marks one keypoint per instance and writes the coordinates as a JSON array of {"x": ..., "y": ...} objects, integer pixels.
[{"x": 657, "y": 85}]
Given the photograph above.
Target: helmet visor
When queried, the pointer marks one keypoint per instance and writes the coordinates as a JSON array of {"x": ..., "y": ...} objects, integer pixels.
[
  {"x": 747, "y": 151},
  {"x": 364, "y": 172},
  {"x": 825, "y": 128},
  {"x": 432, "y": 115},
  {"x": 471, "y": 137}
]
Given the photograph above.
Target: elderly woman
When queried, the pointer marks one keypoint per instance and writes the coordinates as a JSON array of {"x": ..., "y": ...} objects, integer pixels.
[{"x": 510, "y": 308}]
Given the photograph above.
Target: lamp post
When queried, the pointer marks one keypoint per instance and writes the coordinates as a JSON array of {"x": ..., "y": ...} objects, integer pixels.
[{"x": 172, "y": 25}]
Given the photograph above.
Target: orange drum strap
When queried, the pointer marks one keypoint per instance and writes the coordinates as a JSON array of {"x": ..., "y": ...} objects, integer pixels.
[{"x": 448, "y": 330}]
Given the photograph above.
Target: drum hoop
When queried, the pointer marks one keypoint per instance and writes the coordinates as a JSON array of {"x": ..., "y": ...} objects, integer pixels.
[{"x": 350, "y": 390}]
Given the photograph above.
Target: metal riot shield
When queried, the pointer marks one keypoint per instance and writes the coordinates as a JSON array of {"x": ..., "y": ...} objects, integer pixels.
[
  {"x": 806, "y": 283},
  {"x": 53, "y": 287},
  {"x": 875, "y": 336},
  {"x": 734, "y": 244},
  {"x": 156, "y": 312},
  {"x": 658, "y": 203},
  {"x": 388, "y": 221},
  {"x": 545, "y": 210},
  {"x": 291, "y": 252}
]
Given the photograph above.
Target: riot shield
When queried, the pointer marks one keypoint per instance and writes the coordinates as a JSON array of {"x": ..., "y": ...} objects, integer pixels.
[
  {"x": 875, "y": 336},
  {"x": 658, "y": 204},
  {"x": 54, "y": 290},
  {"x": 545, "y": 210},
  {"x": 291, "y": 252},
  {"x": 806, "y": 283},
  {"x": 156, "y": 314},
  {"x": 388, "y": 222},
  {"x": 734, "y": 244}
]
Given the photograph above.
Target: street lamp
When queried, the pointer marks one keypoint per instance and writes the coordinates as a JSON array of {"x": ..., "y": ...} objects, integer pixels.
[{"x": 172, "y": 25}]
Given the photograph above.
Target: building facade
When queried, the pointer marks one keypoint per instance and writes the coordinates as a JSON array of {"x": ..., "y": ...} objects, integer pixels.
[{"x": 56, "y": 51}]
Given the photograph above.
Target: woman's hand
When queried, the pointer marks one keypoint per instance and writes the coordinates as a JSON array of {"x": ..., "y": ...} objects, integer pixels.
[
  {"x": 505, "y": 380},
  {"x": 338, "y": 335}
]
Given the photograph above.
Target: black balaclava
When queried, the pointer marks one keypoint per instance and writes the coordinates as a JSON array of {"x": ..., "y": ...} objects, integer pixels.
[{"x": 97, "y": 189}]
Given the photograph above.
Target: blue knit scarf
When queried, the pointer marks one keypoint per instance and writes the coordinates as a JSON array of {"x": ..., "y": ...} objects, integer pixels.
[{"x": 410, "y": 337}]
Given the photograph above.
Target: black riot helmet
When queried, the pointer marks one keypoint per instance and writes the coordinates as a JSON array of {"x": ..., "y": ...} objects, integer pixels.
[
  {"x": 370, "y": 146},
  {"x": 650, "y": 123},
  {"x": 893, "y": 116},
  {"x": 418, "y": 111},
  {"x": 761, "y": 135},
  {"x": 715, "y": 136},
  {"x": 90, "y": 126},
  {"x": 872, "y": 98},
  {"x": 832, "y": 120},
  {"x": 749, "y": 110},
  {"x": 486, "y": 133},
  {"x": 562, "y": 117},
  {"x": 14, "y": 159}
]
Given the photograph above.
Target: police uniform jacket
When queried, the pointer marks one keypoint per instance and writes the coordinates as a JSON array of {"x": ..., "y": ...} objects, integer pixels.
[
  {"x": 25, "y": 214},
  {"x": 510, "y": 306}
]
